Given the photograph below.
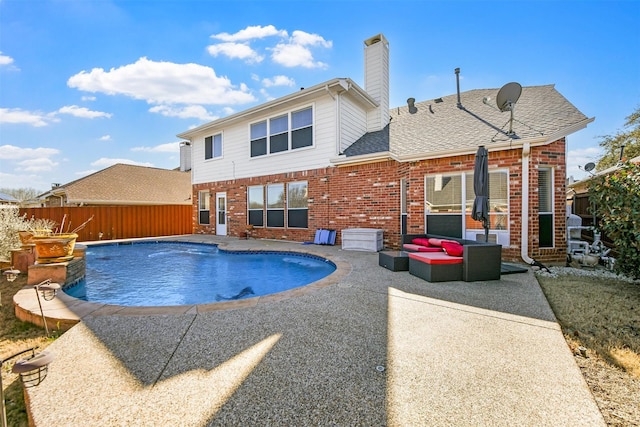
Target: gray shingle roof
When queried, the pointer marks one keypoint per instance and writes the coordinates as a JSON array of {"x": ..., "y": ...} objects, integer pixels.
[
  {"x": 442, "y": 126},
  {"x": 371, "y": 142}
]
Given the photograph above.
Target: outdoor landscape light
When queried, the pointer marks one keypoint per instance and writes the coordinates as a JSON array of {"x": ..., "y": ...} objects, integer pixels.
[
  {"x": 32, "y": 370},
  {"x": 11, "y": 274},
  {"x": 48, "y": 291}
]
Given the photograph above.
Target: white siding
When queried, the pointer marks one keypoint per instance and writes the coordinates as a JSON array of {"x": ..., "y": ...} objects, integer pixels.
[
  {"x": 237, "y": 162},
  {"x": 353, "y": 122}
]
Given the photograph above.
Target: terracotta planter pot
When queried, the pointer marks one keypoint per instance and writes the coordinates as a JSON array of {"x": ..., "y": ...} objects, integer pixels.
[
  {"x": 55, "y": 248},
  {"x": 25, "y": 237}
]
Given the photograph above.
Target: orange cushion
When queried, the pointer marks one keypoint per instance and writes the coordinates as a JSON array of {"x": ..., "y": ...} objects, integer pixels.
[{"x": 452, "y": 248}]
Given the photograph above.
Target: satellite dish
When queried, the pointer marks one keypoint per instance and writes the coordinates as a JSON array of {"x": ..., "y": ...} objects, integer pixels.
[
  {"x": 589, "y": 166},
  {"x": 508, "y": 95}
]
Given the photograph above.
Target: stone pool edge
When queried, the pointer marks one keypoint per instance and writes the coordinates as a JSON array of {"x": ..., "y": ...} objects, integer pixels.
[{"x": 65, "y": 311}]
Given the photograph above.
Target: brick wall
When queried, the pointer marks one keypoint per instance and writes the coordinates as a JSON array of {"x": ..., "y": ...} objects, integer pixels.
[{"x": 368, "y": 195}]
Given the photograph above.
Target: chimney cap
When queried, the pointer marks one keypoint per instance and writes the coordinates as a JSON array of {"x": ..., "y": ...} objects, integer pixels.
[{"x": 375, "y": 39}]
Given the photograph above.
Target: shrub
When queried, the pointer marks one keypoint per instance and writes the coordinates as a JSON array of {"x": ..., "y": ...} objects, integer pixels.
[
  {"x": 10, "y": 223},
  {"x": 617, "y": 200}
]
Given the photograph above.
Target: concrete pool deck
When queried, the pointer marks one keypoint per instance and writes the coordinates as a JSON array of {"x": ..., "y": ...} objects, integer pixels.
[{"x": 368, "y": 347}]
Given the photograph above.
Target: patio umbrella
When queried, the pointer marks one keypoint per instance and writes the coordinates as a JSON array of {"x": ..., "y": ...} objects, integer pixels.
[{"x": 480, "y": 210}]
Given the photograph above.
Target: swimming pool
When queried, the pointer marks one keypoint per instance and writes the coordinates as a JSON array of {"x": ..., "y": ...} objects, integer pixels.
[{"x": 176, "y": 273}]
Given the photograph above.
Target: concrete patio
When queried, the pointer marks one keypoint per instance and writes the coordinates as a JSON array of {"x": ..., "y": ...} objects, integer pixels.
[{"x": 367, "y": 346}]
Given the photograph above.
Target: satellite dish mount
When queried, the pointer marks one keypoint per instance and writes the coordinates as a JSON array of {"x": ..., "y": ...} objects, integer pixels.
[{"x": 506, "y": 100}]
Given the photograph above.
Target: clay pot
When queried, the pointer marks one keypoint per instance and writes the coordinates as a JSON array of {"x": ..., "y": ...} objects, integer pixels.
[
  {"x": 54, "y": 248},
  {"x": 25, "y": 237}
]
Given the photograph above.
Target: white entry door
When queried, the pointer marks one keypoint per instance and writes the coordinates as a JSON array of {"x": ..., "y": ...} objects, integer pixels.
[{"x": 221, "y": 214}]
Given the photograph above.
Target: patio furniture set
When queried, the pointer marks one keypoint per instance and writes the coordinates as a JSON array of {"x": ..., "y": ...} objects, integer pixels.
[{"x": 440, "y": 258}]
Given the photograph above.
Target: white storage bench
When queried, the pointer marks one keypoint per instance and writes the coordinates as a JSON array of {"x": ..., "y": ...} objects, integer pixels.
[{"x": 362, "y": 239}]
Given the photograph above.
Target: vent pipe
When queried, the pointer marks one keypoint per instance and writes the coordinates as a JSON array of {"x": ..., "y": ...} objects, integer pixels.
[
  {"x": 457, "y": 71},
  {"x": 411, "y": 103}
]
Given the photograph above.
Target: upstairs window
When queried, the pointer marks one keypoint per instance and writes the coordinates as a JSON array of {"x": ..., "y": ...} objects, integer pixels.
[
  {"x": 282, "y": 133},
  {"x": 259, "y": 139},
  {"x": 213, "y": 146},
  {"x": 302, "y": 128},
  {"x": 279, "y": 134}
]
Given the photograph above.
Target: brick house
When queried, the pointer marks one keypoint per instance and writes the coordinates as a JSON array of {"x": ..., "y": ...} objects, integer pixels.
[{"x": 336, "y": 156}]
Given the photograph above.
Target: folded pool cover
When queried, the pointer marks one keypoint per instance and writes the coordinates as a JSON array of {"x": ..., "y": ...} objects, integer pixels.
[{"x": 325, "y": 237}]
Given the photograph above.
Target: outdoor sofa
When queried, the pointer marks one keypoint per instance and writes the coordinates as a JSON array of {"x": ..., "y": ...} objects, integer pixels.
[{"x": 466, "y": 260}]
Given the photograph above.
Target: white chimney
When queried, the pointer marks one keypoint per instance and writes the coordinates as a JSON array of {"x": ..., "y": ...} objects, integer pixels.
[
  {"x": 376, "y": 80},
  {"x": 185, "y": 156}
]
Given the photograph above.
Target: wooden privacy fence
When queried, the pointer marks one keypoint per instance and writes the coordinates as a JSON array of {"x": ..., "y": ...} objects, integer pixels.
[{"x": 119, "y": 222}]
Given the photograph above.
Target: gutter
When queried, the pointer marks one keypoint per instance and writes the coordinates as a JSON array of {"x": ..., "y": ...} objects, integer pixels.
[
  {"x": 524, "y": 223},
  {"x": 319, "y": 89}
]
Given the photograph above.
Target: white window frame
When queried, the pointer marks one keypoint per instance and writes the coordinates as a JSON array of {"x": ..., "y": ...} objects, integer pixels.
[
  {"x": 551, "y": 195},
  {"x": 217, "y": 136},
  {"x": 290, "y": 130},
  {"x": 297, "y": 209},
  {"x": 502, "y": 235},
  {"x": 204, "y": 205}
]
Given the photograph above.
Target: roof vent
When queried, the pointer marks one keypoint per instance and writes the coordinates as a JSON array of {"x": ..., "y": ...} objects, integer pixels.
[{"x": 411, "y": 103}]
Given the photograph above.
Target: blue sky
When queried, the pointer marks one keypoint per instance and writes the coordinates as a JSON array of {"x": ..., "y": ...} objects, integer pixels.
[{"x": 86, "y": 84}]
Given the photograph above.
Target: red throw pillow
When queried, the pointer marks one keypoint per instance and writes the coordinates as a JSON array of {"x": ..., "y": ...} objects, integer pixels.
[
  {"x": 435, "y": 242},
  {"x": 422, "y": 241},
  {"x": 452, "y": 248}
]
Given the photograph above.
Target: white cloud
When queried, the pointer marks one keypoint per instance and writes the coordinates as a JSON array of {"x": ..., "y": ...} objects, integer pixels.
[
  {"x": 105, "y": 162},
  {"x": 296, "y": 51},
  {"x": 18, "y": 180},
  {"x": 105, "y": 138},
  {"x": 162, "y": 83},
  {"x": 32, "y": 118},
  {"x": 169, "y": 147},
  {"x": 306, "y": 39},
  {"x": 83, "y": 112},
  {"x": 41, "y": 164},
  {"x": 11, "y": 152},
  {"x": 88, "y": 98},
  {"x": 266, "y": 94},
  {"x": 190, "y": 111},
  {"x": 235, "y": 51},
  {"x": 228, "y": 111},
  {"x": 278, "y": 81},
  {"x": 250, "y": 33},
  {"x": 5, "y": 60}
]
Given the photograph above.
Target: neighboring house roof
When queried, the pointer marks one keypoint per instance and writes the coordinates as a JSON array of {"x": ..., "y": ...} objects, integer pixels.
[
  {"x": 581, "y": 186},
  {"x": 128, "y": 185},
  {"x": 6, "y": 198},
  {"x": 439, "y": 128}
]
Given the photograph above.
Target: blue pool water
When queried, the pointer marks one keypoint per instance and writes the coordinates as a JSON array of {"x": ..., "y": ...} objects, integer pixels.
[{"x": 172, "y": 273}]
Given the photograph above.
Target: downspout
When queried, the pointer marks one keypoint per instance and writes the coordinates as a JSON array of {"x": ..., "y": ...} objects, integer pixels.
[{"x": 524, "y": 233}]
